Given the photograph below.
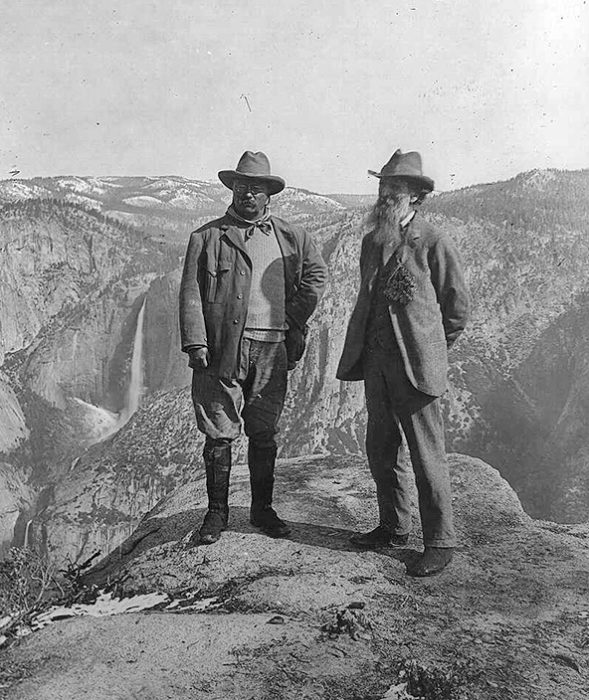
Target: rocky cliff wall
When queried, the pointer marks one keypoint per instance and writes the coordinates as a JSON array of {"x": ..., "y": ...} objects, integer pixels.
[
  {"x": 71, "y": 284},
  {"x": 17, "y": 500},
  {"x": 13, "y": 427}
]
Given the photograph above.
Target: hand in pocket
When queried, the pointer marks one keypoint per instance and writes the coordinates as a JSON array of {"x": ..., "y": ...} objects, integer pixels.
[{"x": 295, "y": 345}]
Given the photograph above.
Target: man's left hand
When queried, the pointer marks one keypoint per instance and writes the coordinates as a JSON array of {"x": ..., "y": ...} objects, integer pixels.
[{"x": 295, "y": 345}]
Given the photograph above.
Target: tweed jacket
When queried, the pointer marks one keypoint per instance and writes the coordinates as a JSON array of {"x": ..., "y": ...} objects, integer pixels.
[
  {"x": 429, "y": 324},
  {"x": 216, "y": 281}
]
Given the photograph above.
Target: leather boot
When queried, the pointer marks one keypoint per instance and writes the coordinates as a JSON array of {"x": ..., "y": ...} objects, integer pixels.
[
  {"x": 217, "y": 459},
  {"x": 432, "y": 561},
  {"x": 379, "y": 537},
  {"x": 261, "y": 461}
]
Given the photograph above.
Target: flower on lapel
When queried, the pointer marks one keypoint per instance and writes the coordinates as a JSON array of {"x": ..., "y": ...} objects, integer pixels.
[{"x": 399, "y": 285}]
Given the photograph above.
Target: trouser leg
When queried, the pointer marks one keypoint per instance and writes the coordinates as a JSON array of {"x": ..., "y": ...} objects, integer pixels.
[
  {"x": 424, "y": 429},
  {"x": 261, "y": 461},
  {"x": 216, "y": 404},
  {"x": 264, "y": 394},
  {"x": 383, "y": 441}
]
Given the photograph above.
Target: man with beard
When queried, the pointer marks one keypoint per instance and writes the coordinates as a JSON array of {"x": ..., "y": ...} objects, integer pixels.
[
  {"x": 412, "y": 306},
  {"x": 250, "y": 283}
]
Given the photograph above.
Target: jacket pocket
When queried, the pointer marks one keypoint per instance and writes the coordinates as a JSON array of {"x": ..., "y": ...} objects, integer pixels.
[{"x": 216, "y": 281}]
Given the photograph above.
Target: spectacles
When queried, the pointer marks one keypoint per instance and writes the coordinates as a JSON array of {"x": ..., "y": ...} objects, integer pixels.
[{"x": 241, "y": 187}]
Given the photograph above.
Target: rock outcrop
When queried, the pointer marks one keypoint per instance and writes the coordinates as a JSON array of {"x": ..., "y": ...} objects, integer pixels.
[{"x": 309, "y": 616}]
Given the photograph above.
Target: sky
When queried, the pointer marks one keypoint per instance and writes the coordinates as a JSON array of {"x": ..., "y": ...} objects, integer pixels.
[{"x": 326, "y": 88}]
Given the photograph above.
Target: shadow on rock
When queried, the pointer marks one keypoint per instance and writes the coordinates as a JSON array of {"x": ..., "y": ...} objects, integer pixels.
[
  {"x": 310, "y": 534},
  {"x": 157, "y": 531},
  {"x": 150, "y": 533}
]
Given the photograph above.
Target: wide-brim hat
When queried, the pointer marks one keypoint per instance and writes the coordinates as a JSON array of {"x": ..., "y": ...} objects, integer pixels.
[
  {"x": 253, "y": 166},
  {"x": 406, "y": 166}
]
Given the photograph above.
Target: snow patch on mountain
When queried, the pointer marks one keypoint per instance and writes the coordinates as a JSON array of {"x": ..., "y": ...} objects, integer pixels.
[
  {"x": 17, "y": 190},
  {"x": 81, "y": 185},
  {"x": 295, "y": 197},
  {"x": 143, "y": 201}
]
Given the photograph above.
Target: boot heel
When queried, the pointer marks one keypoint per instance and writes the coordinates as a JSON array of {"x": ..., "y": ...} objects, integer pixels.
[{"x": 269, "y": 522}]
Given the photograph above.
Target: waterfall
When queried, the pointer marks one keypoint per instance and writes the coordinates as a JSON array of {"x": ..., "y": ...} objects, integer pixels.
[
  {"x": 103, "y": 424},
  {"x": 136, "y": 380},
  {"x": 27, "y": 528}
]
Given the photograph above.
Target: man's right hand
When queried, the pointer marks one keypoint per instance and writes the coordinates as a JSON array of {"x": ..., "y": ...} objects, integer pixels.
[{"x": 198, "y": 358}]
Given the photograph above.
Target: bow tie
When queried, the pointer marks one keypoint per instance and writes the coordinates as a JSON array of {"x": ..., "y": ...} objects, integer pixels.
[{"x": 264, "y": 226}]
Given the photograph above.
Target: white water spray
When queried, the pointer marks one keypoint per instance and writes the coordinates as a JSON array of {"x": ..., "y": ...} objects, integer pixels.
[{"x": 100, "y": 424}]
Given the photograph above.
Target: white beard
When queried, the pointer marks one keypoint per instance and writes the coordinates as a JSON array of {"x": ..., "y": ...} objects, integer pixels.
[{"x": 386, "y": 216}]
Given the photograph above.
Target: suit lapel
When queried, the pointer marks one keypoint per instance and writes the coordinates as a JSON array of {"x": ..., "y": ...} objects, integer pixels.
[
  {"x": 414, "y": 228},
  {"x": 235, "y": 236},
  {"x": 371, "y": 270}
]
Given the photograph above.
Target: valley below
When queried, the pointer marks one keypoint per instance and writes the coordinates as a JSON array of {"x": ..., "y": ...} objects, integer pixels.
[{"x": 96, "y": 421}]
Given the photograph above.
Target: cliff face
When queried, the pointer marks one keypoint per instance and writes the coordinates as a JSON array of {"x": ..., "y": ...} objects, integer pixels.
[
  {"x": 115, "y": 482},
  {"x": 518, "y": 389},
  {"x": 72, "y": 282},
  {"x": 12, "y": 420},
  {"x": 519, "y": 370},
  {"x": 16, "y": 503},
  {"x": 165, "y": 366},
  {"x": 54, "y": 255}
]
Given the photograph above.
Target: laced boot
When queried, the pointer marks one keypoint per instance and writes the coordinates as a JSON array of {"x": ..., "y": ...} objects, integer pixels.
[
  {"x": 217, "y": 459},
  {"x": 261, "y": 461}
]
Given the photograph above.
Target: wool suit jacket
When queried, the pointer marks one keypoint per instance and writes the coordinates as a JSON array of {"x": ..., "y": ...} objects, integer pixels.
[
  {"x": 216, "y": 282},
  {"x": 425, "y": 327}
]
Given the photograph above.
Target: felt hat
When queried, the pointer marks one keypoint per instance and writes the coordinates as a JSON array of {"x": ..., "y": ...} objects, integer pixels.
[
  {"x": 253, "y": 166},
  {"x": 406, "y": 166}
]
